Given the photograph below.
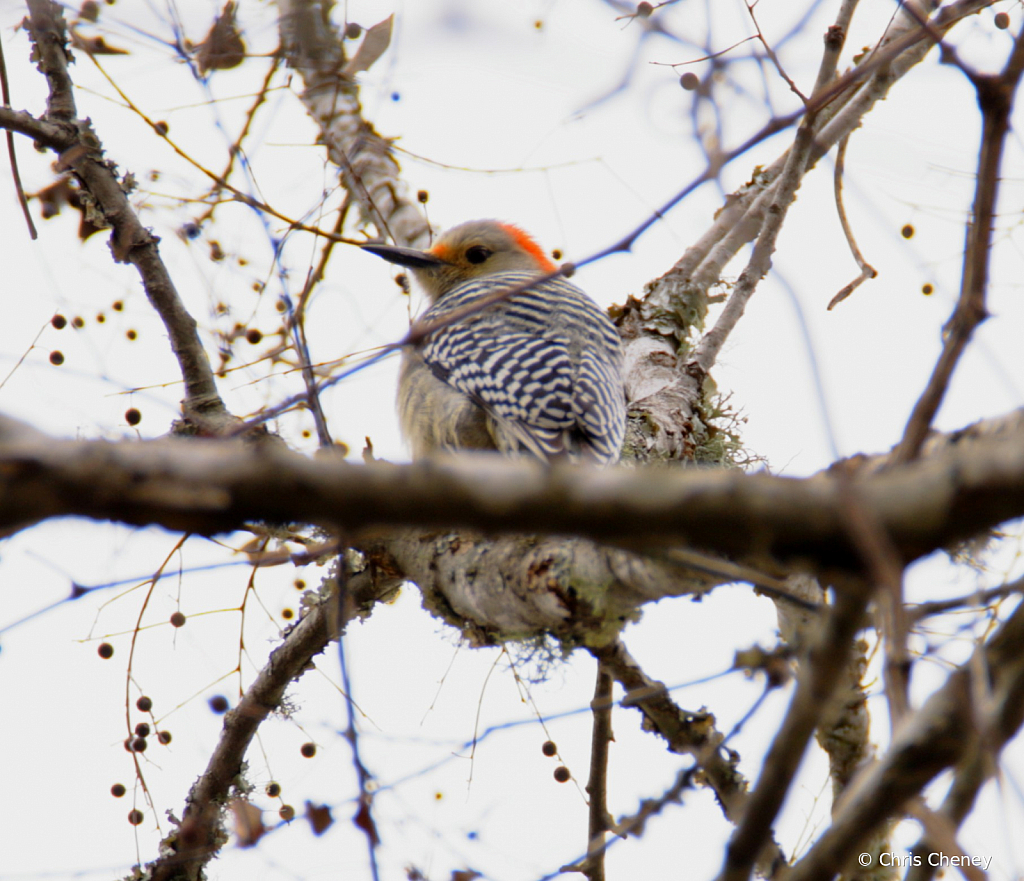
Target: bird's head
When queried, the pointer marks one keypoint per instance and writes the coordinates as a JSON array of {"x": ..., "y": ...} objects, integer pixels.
[{"x": 467, "y": 251}]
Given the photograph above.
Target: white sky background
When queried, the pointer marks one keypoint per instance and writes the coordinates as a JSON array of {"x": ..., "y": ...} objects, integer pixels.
[{"x": 479, "y": 88}]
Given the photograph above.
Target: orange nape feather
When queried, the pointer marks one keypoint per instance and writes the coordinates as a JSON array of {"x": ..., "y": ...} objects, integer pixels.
[{"x": 527, "y": 243}]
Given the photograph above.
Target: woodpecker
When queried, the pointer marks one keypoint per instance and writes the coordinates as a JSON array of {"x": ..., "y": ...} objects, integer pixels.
[{"x": 538, "y": 372}]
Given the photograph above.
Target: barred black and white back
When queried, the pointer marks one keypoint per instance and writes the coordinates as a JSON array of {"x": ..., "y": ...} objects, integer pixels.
[{"x": 542, "y": 370}]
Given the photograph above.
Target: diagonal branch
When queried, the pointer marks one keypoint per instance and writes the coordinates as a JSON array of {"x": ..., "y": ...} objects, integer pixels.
[
  {"x": 936, "y": 737},
  {"x": 200, "y": 835},
  {"x": 81, "y": 151},
  {"x": 995, "y": 98},
  {"x": 706, "y": 352},
  {"x": 315, "y": 48}
]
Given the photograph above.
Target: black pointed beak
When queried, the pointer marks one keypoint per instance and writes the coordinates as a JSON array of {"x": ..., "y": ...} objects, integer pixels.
[{"x": 405, "y": 256}]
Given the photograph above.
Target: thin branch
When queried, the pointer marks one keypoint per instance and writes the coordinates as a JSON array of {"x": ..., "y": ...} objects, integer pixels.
[
  {"x": 771, "y": 53},
  {"x": 819, "y": 675},
  {"x": 996, "y": 96},
  {"x": 651, "y": 807},
  {"x": 297, "y": 321},
  {"x": 635, "y": 823},
  {"x": 979, "y": 599},
  {"x": 220, "y": 182},
  {"x": 597, "y": 785},
  {"x": 345, "y": 606},
  {"x": 706, "y": 352},
  {"x": 686, "y": 733},
  {"x": 235, "y": 150}
]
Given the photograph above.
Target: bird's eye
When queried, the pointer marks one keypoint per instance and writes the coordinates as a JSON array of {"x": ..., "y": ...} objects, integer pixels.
[{"x": 478, "y": 254}]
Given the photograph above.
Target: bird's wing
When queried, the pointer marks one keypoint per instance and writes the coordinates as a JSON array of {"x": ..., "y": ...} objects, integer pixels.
[
  {"x": 599, "y": 407},
  {"x": 523, "y": 381}
]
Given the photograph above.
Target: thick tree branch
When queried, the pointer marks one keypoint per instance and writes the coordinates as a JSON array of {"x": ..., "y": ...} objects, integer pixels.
[
  {"x": 214, "y": 486},
  {"x": 518, "y": 586}
]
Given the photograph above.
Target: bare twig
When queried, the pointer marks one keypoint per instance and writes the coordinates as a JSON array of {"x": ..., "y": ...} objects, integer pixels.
[
  {"x": 650, "y": 807},
  {"x": 297, "y": 320},
  {"x": 978, "y": 599},
  {"x": 345, "y": 606},
  {"x": 220, "y": 182},
  {"x": 12, "y": 154},
  {"x": 635, "y": 823},
  {"x": 235, "y": 150},
  {"x": 771, "y": 53},
  {"x": 706, "y": 352},
  {"x": 866, "y": 269}
]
